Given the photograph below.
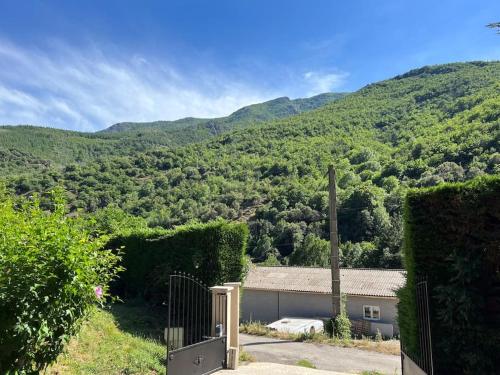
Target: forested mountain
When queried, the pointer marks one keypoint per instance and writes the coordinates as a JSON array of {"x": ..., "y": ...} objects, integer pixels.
[
  {"x": 53, "y": 146},
  {"x": 430, "y": 125},
  {"x": 59, "y": 147},
  {"x": 270, "y": 110}
]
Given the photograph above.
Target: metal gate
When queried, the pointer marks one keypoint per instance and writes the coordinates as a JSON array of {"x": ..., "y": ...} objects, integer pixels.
[{"x": 196, "y": 336}]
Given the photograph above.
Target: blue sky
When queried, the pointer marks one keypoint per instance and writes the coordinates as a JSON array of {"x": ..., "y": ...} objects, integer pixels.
[{"x": 84, "y": 65}]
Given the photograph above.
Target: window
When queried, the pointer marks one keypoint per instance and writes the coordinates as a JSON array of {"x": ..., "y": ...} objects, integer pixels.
[{"x": 371, "y": 312}]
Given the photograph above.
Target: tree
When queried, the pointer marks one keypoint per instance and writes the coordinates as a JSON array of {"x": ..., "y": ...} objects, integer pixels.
[
  {"x": 313, "y": 251},
  {"x": 356, "y": 255},
  {"x": 263, "y": 248},
  {"x": 494, "y": 25}
]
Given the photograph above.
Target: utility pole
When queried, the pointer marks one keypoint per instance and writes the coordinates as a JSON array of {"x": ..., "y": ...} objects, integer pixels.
[{"x": 334, "y": 242}]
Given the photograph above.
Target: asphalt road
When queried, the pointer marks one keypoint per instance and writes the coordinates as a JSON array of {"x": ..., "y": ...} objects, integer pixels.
[{"x": 324, "y": 357}]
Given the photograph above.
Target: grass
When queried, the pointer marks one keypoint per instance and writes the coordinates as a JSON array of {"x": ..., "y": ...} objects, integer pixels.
[
  {"x": 386, "y": 347},
  {"x": 127, "y": 339},
  {"x": 305, "y": 363},
  {"x": 246, "y": 357}
]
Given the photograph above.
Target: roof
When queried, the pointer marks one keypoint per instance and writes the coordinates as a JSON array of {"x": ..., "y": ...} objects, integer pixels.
[{"x": 353, "y": 281}]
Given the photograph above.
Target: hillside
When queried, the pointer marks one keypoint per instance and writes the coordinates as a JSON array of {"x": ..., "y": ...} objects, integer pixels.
[
  {"x": 60, "y": 147},
  {"x": 428, "y": 126},
  {"x": 191, "y": 130},
  {"x": 52, "y": 145},
  {"x": 272, "y": 109}
]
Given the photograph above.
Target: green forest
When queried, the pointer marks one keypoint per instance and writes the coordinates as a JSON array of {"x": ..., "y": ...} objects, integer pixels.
[
  {"x": 266, "y": 164},
  {"x": 42, "y": 145}
]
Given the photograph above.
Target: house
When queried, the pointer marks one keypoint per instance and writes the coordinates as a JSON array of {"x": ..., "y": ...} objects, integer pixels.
[{"x": 271, "y": 293}]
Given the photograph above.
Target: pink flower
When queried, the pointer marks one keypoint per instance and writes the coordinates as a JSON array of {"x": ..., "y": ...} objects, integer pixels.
[{"x": 98, "y": 291}]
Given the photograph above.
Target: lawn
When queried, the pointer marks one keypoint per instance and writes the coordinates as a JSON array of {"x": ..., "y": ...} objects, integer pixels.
[{"x": 125, "y": 339}]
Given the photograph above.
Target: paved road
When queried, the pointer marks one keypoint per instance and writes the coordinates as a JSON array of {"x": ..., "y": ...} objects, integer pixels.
[
  {"x": 324, "y": 357},
  {"x": 262, "y": 368}
]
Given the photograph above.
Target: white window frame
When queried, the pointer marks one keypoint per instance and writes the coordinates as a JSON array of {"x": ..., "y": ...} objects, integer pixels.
[{"x": 372, "y": 308}]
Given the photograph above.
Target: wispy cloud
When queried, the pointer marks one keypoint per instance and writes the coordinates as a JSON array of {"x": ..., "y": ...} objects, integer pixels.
[
  {"x": 88, "y": 89},
  {"x": 85, "y": 89},
  {"x": 320, "y": 82}
]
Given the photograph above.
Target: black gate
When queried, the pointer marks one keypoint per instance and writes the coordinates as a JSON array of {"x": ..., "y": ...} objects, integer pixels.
[
  {"x": 196, "y": 336},
  {"x": 424, "y": 358}
]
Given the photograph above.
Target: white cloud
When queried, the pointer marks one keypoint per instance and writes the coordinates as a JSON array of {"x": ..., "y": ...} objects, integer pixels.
[
  {"x": 85, "y": 89},
  {"x": 88, "y": 89},
  {"x": 319, "y": 82}
]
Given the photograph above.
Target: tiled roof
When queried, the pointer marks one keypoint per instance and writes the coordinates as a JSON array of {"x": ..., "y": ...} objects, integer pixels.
[{"x": 353, "y": 281}]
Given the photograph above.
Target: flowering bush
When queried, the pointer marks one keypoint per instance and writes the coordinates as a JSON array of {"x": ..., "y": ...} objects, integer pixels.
[{"x": 51, "y": 272}]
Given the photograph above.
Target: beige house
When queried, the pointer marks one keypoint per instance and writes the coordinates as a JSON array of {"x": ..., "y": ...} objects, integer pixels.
[{"x": 272, "y": 293}]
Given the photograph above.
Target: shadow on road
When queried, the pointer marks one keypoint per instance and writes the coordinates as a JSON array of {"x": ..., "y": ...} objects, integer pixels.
[{"x": 268, "y": 342}]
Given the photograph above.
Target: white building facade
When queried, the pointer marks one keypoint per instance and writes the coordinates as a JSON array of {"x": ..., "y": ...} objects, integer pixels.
[{"x": 273, "y": 293}]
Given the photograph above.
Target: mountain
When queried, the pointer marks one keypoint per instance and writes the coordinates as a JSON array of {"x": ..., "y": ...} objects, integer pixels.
[
  {"x": 272, "y": 109},
  {"x": 190, "y": 130},
  {"x": 426, "y": 127},
  {"x": 54, "y": 146}
]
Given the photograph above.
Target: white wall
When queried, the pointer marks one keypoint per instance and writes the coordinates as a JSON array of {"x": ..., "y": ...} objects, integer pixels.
[
  {"x": 257, "y": 305},
  {"x": 269, "y": 306},
  {"x": 388, "y": 309}
]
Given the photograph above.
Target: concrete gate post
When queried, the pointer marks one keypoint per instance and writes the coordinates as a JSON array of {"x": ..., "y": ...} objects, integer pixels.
[
  {"x": 229, "y": 319},
  {"x": 234, "y": 312},
  {"x": 219, "y": 293}
]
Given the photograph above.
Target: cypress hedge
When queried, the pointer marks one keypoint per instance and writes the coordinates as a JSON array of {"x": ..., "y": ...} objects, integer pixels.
[
  {"x": 213, "y": 252},
  {"x": 452, "y": 237}
]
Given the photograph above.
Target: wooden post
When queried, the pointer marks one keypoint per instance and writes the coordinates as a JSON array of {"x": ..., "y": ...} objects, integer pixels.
[{"x": 334, "y": 242}]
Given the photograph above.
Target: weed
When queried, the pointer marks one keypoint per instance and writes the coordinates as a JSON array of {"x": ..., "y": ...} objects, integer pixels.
[
  {"x": 246, "y": 357},
  {"x": 305, "y": 363}
]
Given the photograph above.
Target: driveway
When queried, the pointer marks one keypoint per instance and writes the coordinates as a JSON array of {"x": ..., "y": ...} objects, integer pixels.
[
  {"x": 324, "y": 357},
  {"x": 262, "y": 368}
]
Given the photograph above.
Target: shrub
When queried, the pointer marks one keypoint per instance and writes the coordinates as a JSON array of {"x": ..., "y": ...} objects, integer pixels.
[
  {"x": 213, "y": 252},
  {"x": 328, "y": 327},
  {"x": 342, "y": 326},
  {"x": 51, "y": 272},
  {"x": 452, "y": 234}
]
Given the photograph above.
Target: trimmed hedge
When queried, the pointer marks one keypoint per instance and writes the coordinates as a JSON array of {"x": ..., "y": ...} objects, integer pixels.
[
  {"x": 213, "y": 252},
  {"x": 452, "y": 237}
]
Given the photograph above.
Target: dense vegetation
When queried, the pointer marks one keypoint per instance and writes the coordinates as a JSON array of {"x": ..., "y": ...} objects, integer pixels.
[
  {"x": 431, "y": 125},
  {"x": 52, "y": 270},
  {"x": 39, "y": 147},
  {"x": 55, "y": 267},
  {"x": 452, "y": 233},
  {"x": 150, "y": 256}
]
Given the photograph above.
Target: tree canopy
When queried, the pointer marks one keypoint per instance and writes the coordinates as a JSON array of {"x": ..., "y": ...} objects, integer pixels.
[{"x": 431, "y": 125}]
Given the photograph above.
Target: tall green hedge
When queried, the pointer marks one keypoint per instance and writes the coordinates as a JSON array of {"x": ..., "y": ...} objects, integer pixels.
[
  {"x": 452, "y": 237},
  {"x": 213, "y": 252}
]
